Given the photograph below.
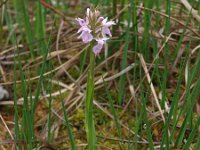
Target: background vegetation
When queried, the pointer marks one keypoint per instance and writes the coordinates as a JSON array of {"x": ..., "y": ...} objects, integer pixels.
[{"x": 147, "y": 81}]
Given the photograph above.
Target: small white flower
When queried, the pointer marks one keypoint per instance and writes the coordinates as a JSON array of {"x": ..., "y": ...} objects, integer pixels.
[{"x": 3, "y": 93}]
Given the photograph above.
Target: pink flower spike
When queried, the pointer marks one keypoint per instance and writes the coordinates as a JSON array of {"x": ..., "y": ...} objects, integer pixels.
[{"x": 94, "y": 26}]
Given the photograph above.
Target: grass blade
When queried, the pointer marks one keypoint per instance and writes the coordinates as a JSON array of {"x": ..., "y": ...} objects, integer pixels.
[
  {"x": 122, "y": 80},
  {"x": 71, "y": 137}
]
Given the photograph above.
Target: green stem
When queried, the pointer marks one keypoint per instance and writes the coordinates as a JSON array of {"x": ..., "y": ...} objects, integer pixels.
[
  {"x": 114, "y": 14},
  {"x": 90, "y": 128}
]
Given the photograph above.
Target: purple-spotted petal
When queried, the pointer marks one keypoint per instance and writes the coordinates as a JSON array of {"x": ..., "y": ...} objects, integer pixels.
[
  {"x": 102, "y": 40},
  {"x": 86, "y": 37},
  {"x": 105, "y": 23},
  {"x": 97, "y": 49},
  {"x": 101, "y": 19},
  {"x": 84, "y": 28},
  {"x": 109, "y": 23},
  {"x": 106, "y": 31},
  {"x": 81, "y": 21}
]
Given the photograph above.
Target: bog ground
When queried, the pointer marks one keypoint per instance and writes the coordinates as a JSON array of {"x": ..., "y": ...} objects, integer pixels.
[{"x": 146, "y": 76}]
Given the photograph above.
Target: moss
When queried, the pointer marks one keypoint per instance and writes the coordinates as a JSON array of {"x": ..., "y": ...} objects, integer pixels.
[{"x": 73, "y": 72}]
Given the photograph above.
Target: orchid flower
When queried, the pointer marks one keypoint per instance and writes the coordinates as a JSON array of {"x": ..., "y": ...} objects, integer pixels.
[
  {"x": 86, "y": 34},
  {"x": 82, "y": 22},
  {"x": 106, "y": 25},
  {"x": 97, "y": 48}
]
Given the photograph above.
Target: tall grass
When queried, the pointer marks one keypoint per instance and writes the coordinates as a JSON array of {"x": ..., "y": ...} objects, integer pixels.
[
  {"x": 24, "y": 21},
  {"x": 25, "y": 134},
  {"x": 122, "y": 80},
  {"x": 71, "y": 137}
]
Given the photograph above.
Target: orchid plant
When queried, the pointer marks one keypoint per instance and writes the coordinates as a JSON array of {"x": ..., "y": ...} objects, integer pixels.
[{"x": 94, "y": 30}]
